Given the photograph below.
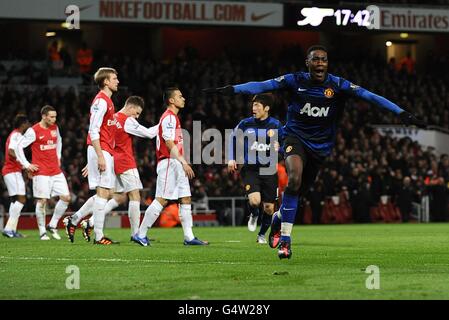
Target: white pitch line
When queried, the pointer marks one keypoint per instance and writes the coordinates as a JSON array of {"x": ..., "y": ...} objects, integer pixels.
[
  {"x": 120, "y": 260},
  {"x": 233, "y": 241}
]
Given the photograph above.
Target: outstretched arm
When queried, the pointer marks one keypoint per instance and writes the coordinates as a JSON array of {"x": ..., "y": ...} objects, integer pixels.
[
  {"x": 253, "y": 87},
  {"x": 136, "y": 129},
  {"x": 406, "y": 117}
]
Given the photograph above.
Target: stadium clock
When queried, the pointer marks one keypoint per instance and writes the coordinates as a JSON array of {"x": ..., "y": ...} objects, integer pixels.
[{"x": 363, "y": 17}]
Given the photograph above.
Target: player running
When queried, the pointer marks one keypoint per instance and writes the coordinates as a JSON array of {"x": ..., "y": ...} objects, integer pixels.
[
  {"x": 127, "y": 176},
  {"x": 12, "y": 175},
  {"x": 48, "y": 179},
  {"x": 173, "y": 172},
  {"x": 309, "y": 133},
  {"x": 261, "y": 132}
]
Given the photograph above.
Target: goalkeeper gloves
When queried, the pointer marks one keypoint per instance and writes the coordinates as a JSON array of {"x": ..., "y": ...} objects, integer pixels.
[
  {"x": 410, "y": 120},
  {"x": 227, "y": 90}
]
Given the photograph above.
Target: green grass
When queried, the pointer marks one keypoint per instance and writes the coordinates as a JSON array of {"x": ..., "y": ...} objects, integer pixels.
[{"x": 328, "y": 263}]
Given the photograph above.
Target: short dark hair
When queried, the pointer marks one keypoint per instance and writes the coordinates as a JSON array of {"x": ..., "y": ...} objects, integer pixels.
[
  {"x": 19, "y": 120},
  {"x": 168, "y": 93},
  {"x": 135, "y": 100},
  {"x": 265, "y": 99},
  {"x": 46, "y": 109},
  {"x": 316, "y": 47},
  {"x": 103, "y": 74}
]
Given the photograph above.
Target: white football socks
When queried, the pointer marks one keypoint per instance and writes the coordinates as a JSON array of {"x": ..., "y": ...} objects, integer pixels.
[
  {"x": 40, "y": 217},
  {"x": 185, "y": 214},
  {"x": 86, "y": 209},
  {"x": 14, "y": 212},
  {"x": 286, "y": 229},
  {"x": 151, "y": 215},
  {"x": 99, "y": 214},
  {"x": 110, "y": 205},
  {"x": 60, "y": 208},
  {"x": 134, "y": 216}
]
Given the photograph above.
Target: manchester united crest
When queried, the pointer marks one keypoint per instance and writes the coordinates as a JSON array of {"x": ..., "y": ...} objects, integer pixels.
[
  {"x": 270, "y": 133},
  {"x": 247, "y": 187},
  {"x": 328, "y": 93}
]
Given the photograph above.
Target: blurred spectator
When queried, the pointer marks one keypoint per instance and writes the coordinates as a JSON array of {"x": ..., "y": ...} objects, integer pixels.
[
  {"x": 405, "y": 198},
  {"x": 438, "y": 193},
  {"x": 84, "y": 58}
]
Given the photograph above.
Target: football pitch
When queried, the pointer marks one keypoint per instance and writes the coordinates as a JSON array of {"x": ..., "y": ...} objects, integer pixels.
[{"x": 328, "y": 262}]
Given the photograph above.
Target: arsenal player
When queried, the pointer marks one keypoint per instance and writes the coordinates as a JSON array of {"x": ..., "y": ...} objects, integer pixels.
[
  {"x": 173, "y": 172},
  {"x": 101, "y": 143},
  {"x": 48, "y": 179},
  {"x": 127, "y": 176},
  {"x": 12, "y": 175}
]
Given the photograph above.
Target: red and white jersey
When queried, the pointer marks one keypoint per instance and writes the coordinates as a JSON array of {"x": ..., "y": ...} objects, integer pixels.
[
  {"x": 169, "y": 129},
  {"x": 123, "y": 152},
  {"x": 11, "y": 165},
  {"x": 46, "y": 147},
  {"x": 102, "y": 122}
]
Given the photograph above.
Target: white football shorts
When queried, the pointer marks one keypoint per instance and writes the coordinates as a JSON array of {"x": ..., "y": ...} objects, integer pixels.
[
  {"x": 45, "y": 187},
  {"x": 172, "y": 182},
  {"x": 105, "y": 179},
  {"x": 128, "y": 181},
  {"x": 15, "y": 184}
]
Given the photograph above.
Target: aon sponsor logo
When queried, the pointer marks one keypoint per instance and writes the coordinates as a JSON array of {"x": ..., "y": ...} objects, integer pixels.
[
  {"x": 314, "y": 111},
  {"x": 260, "y": 146}
]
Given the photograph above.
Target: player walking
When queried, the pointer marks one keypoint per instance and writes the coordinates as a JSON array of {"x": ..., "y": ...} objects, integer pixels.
[
  {"x": 48, "y": 179},
  {"x": 173, "y": 172},
  {"x": 12, "y": 175}
]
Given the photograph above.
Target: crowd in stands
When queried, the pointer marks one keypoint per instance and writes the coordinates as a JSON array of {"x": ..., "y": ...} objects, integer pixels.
[{"x": 363, "y": 167}]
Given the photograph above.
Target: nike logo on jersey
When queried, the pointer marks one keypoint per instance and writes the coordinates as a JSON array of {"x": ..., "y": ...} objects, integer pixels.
[
  {"x": 314, "y": 111},
  {"x": 41, "y": 137},
  {"x": 301, "y": 89},
  {"x": 250, "y": 131}
]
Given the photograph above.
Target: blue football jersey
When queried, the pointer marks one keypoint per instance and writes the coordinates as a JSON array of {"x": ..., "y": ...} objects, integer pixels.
[
  {"x": 314, "y": 108},
  {"x": 258, "y": 140}
]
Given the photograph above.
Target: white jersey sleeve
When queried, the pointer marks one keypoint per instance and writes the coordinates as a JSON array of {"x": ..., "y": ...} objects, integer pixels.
[
  {"x": 97, "y": 112},
  {"x": 15, "y": 138},
  {"x": 136, "y": 129},
  {"x": 28, "y": 138},
  {"x": 168, "y": 125}
]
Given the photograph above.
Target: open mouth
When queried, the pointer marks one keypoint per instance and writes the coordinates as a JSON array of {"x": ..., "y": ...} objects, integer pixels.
[{"x": 319, "y": 72}]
